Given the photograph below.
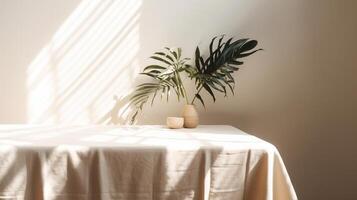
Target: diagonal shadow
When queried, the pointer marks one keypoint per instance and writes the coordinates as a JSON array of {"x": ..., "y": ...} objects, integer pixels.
[
  {"x": 76, "y": 33},
  {"x": 127, "y": 18},
  {"x": 83, "y": 28},
  {"x": 89, "y": 74}
]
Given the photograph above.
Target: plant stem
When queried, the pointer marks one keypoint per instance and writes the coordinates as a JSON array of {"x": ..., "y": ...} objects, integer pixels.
[
  {"x": 198, "y": 91},
  {"x": 183, "y": 87}
]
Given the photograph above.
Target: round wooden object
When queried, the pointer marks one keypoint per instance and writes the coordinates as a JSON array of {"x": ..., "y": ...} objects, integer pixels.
[{"x": 174, "y": 122}]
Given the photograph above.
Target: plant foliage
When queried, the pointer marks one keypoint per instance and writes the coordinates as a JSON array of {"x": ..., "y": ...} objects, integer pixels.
[
  {"x": 211, "y": 73},
  {"x": 215, "y": 73},
  {"x": 165, "y": 75}
]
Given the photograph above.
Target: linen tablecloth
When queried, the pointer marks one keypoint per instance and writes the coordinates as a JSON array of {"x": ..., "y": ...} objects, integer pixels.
[{"x": 139, "y": 162}]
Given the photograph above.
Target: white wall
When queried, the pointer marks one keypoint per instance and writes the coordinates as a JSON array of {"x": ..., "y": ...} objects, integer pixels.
[{"x": 63, "y": 61}]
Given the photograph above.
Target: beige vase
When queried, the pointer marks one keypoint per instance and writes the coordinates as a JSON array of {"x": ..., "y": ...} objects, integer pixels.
[{"x": 190, "y": 116}]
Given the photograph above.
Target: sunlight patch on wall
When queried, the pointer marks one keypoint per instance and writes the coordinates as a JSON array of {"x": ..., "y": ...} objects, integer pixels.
[{"x": 91, "y": 58}]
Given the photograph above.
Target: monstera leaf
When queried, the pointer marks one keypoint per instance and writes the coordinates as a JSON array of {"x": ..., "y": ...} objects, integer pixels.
[{"x": 215, "y": 73}]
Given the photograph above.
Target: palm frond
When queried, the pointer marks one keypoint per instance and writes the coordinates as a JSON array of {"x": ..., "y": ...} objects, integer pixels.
[
  {"x": 165, "y": 79},
  {"x": 216, "y": 71}
]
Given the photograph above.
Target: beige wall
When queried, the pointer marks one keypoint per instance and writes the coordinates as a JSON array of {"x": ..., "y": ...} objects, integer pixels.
[{"x": 62, "y": 62}]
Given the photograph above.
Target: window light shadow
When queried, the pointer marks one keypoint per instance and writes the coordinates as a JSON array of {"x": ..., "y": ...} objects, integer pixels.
[{"x": 90, "y": 58}]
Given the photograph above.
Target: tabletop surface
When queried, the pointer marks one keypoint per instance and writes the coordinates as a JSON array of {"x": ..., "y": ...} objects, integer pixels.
[
  {"x": 110, "y": 162},
  {"x": 128, "y": 136}
]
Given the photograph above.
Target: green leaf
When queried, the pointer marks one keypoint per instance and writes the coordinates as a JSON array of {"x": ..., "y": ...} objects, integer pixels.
[
  {"x": 229, "y": 76},
  {"x": 201, "y": 100},
  {"x": 160, "y": 53},
  {"x": 211, "y": 50},
  {"x": 216, "y": 81},
  {"x": 228, "y": 43},
  {"x": 161, "y": 59},
  {"x": 134, "y": 117},
  {"x": 248, "y": 46},
  {"x": 148, "y": 74},
  {"x": 208, "y": 89},
  {"x": 167, "y": 72},
  {"x": 197, "y": 59},
  {"x": 231, "y": 88},
  {"x": 143, "y": 84},
  {"x": 214, "y": 72},
  {"x": 231, "y": 67},
  {"x": 166, "y": 82},
  {"x": 154, "y": 71},
  {"x": 202, "y": 63},
  {"x": 172, "y": 59},
  {"x": 217, "y": 52},
  {"x": 153, "y": 97},
  {"x": 153, "y": 67},
  {"x": 220, "y": 41},
  {"x": 175, "y": 55},
  {"x": 242, "y": 55},
  {"x": 211, "y": 84},
  {"x": 167, "y": 94},
  {"x": 136, "y": 101},
  {"x": 235, "y": 62}
]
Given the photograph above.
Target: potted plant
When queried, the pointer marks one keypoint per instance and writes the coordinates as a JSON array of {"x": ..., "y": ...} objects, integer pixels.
[{"x": 213, "y": 73}]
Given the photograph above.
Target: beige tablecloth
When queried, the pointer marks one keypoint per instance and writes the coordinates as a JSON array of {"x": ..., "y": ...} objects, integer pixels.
[{"x": 139, "y": 162}]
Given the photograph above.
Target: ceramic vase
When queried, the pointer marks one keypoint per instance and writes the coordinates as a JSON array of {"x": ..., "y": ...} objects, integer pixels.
[{"x": 190, "y": 116}]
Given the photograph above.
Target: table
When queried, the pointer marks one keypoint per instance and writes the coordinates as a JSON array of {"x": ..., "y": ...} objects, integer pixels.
[{"x": 139, "y": 162}]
